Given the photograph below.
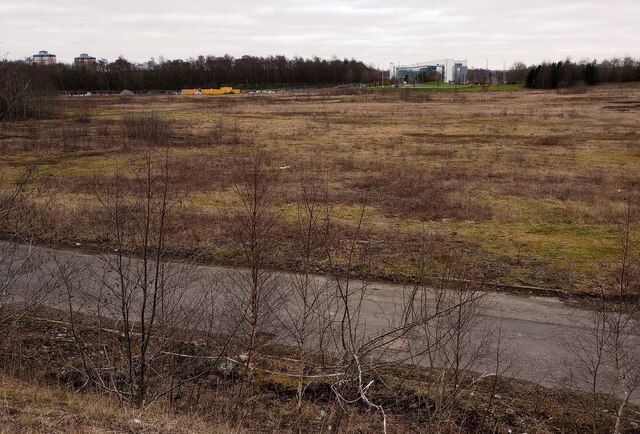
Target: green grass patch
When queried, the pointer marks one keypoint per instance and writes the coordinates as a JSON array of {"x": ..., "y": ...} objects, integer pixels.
[{"x": 448, "y": 87}]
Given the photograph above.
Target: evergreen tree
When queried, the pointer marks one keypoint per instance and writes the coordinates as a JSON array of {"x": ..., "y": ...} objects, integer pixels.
[
  {"x": 557, "y": 75},
  {"x": 531, "y": 78},
  {"x": 591, "y": 74}
]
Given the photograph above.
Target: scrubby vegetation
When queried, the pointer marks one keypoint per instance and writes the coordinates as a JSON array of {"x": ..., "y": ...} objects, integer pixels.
[
  {"x": 534, "y": 182},
  {"x": 449, "y": 193},
  {"x": 43, "y": 389}
]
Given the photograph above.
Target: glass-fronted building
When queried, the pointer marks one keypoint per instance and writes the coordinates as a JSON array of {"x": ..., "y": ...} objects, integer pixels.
[{"x": 450, "y": 70}]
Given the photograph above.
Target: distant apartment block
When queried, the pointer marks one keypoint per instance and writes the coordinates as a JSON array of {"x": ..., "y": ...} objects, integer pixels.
[
  {"x": 84, "y": 60},
  {"x": 43, "y": 58}
]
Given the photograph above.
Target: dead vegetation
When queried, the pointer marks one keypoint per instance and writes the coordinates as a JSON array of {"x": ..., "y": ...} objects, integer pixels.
[
  {"x": 142, "y": 323},
  {"x": 508, "y": 172},
  {"x": 43, "y": 390},
  {"x": 146, "y": 127}
]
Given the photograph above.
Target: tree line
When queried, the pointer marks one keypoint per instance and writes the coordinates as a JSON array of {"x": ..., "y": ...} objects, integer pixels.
[
  {"x": 567, "y": 73},
  {"x": 203, "y": 72},
  {"x": 252, "y": 72}
]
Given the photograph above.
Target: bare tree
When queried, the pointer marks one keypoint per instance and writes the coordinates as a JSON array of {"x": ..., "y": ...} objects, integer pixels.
[
  {"x": 183, "y": 346},
  {"x": 624, "y": 350},
  {"x": 607, "y": 354},
  {"x": 438, "y": 322},
  {"x": 22, "y": 282},
  {"x": 622, "y": 279},
  {"x": 589, "y": 366},
  {"x": 348, "y": 333},
  {"x": 361, "y": 351},
  {"x": 305, "y": 315},
  {"x": 449, "y": 336},
  {"x": 254, "y": 294},
  {"x": 18, "y": 97},
  {"x": 618, "y": 273},
  {"x": 133, "y": 281}
]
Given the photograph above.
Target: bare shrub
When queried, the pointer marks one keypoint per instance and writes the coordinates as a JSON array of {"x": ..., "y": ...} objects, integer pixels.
[
  {"x": 305, "y": 320},
  {"x": 438, "y": 152},
  {"x": 449, "y": 337},
  {"x": 132, "y": 287},
  {"x": 428, "y": 195},
  {"x": 607, "y": 354},
  {"x": 218, "y": 133},
  {"x": 605, "y": 363},
  {"x": 22, "y": 287},
  {"x": 148, "y": 127},
  {"x": 551, "y": 141},
  {"x": 71, "y": 136},
  {"x": 84, "y": 118},
  {"x": 408, "y": 95},
  {"x": 105, "y": 130},
  {"x": 461, "y": 97},
  {"x": 618, "y": 272},
  {"x": 578, "y": 88},
  {"x": 442, "y": 326}
]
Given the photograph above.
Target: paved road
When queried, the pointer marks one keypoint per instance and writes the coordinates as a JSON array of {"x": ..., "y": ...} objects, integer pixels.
[{"x": 535, "y": 329}]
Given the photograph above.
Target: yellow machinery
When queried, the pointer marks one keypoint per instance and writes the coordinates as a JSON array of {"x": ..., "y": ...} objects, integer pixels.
[
  {"x": 221, "y": 91},
  {"x": 213, "y": 92}
]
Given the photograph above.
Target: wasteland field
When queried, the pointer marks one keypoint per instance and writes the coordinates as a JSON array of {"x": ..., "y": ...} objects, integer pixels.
[{"x": 534, "y": 184}]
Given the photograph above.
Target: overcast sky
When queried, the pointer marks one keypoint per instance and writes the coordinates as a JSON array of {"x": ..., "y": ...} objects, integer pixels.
[{"x": 377, "y": 32}]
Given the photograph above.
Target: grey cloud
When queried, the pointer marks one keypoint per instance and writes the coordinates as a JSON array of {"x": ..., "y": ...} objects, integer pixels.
[{"x": 375, "y": 31}]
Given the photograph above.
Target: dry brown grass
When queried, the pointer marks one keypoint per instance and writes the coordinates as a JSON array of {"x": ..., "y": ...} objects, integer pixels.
[
  {"x": 525, "y": 177},
  {"x": 40, "y": 393},
  {"x": 30, "y": 408}
]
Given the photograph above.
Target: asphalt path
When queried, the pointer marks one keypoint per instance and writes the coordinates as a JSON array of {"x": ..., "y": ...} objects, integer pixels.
[{"x": 538, "y": 334}]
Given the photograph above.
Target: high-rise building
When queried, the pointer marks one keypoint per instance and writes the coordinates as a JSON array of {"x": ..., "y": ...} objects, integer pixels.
[
  {"x": 84, "y": 60},
  {"x": 44, "y": 58}
]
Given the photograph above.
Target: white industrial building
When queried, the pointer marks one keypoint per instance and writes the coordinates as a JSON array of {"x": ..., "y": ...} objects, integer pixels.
[
  {"x": 44, "y": 58},
  {"x": 452, "y": 71}
]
